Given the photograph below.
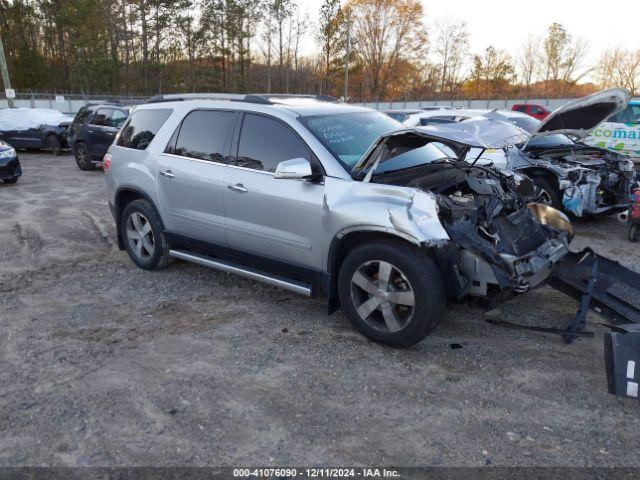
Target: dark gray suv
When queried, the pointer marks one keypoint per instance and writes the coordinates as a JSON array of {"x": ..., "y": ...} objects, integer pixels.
[{"x": 92, "y": 132}]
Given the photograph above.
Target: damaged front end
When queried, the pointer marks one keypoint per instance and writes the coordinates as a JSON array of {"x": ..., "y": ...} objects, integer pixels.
[
  {"x": 502, "y": 245},
  {"x": 590, "y": 180},
  {"x": 498, "y": 244}
]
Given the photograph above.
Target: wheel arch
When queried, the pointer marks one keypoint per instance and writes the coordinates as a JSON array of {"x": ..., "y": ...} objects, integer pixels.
[
  {"x": 124, "y": 196},
  {"x": 342, "y": 244},
  {"x": 540, "y": 172}
]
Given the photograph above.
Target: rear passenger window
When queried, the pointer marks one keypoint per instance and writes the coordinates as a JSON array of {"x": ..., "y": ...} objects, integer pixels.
[
  {"x": 142, "y": 127},
  {"x": 101, "y": 117},
  {"x": 83, "y": 114},
  {"x": 265, "y": 142},
  {"x": 203, "y": 135}
]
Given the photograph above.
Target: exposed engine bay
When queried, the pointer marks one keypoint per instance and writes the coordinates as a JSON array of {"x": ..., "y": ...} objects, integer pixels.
[
  {"x": 497, "y": 243},
  {"x": 590, "y": 180}
]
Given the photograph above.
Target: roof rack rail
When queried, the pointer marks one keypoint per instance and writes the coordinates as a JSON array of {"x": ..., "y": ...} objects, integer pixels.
[{"x": 261, "y": 98}]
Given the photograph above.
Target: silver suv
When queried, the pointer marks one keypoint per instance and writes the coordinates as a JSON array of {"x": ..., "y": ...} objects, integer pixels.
[{"x": 308, "y": 194}]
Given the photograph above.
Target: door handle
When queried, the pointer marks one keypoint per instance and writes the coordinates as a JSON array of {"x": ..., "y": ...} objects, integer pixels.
[
  {"x": 167, "y": 173},
  {"x": 238, "y": 187}
]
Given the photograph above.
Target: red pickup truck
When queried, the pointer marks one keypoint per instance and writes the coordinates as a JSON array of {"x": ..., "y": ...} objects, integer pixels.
[{"x": 537, "y": 111}]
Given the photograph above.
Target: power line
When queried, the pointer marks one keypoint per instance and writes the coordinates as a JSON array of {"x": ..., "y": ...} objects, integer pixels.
[{"x": 5, "y": 73}]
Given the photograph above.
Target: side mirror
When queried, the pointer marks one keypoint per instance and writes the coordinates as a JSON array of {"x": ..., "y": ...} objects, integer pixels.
[{"x": 296, "y": 168}]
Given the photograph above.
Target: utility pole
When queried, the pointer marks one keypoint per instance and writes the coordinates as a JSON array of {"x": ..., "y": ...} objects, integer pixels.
[
  {"x": 346, "y": 60},
  {"x": 5, "y": 73}
]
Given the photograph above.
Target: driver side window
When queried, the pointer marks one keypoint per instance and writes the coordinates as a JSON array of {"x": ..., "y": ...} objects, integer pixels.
[{"x": 265, "y": 142}]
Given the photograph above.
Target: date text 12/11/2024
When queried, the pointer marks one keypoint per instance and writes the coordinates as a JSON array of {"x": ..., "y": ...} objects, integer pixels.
[{"x": 315, "y": 473}]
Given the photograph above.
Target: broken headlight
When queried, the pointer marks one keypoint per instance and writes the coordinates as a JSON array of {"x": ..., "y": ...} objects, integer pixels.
[
  {"x": 626, "y": 165},
  {"x": 547, "y": 215}
]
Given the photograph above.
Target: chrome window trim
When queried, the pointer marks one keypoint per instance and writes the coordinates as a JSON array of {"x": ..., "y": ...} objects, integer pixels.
[{"x": 209, "y": 162}]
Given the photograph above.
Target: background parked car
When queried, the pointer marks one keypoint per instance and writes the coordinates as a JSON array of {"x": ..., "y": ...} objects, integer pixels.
[
  {"x": 10, "y": 169},
  {"x": 39, "y": 128},
  {"x": 536, "y": 111},
  {"x": 621, "y": 133},
  {"x": 401, "y": 115},
  {"x": 93, "y": 130}
]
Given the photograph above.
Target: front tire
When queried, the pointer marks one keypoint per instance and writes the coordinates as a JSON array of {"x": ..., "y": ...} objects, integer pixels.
[
  {"x": 82, "y": 157},
  {"x": 391, "y": 292},
  {"x": 143, "y": 236},
  {"x": 11, "y": 180},
  {"x": 547, "y": 193}
]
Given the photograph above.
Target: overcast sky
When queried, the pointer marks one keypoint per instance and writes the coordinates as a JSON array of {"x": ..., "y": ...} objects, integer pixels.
[{"x": 505, "y": 24}]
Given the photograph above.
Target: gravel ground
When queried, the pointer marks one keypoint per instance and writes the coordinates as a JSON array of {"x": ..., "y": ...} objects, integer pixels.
[{"x": 104, "y": 364}]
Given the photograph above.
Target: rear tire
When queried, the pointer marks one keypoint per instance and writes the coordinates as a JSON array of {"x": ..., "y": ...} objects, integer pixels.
[
  {"x": 547, "y": 193},
  {"x": 143, "y": 236},
  {"x": 82, "y": 157},
  {"x": 53, "y": 143},
  {"x": 391, "y": 292},
  {"x": 634, "y": 232}
]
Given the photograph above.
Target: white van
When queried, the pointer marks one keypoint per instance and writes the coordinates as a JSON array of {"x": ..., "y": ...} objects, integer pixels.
[{"x": 621, "y": 133}]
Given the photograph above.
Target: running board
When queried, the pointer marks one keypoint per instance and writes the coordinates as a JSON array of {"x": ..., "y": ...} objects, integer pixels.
[
  {"x": 615, "y": 293},
  {"x": 274, "y": 280}
]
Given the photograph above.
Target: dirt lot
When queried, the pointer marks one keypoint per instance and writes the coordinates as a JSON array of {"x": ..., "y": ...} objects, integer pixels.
[{"x": 105, "y": 364}]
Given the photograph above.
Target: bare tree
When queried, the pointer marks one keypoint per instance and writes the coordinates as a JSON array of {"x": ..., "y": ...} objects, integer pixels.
[
  {"x": 387, "y": 33},
  {"x": 528, "y": 66},
  {"x": 330, "y": 40},
  {"x": 562, "y": 58},
  {"x": 451, "y": 52},
  {"x": 618, "y": 67}
]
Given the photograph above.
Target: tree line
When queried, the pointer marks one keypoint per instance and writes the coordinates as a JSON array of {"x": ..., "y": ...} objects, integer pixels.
[{"x": 144, "y": 47}]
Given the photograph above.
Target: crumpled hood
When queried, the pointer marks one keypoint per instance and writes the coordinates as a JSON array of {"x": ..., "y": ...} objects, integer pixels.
[
  {"x": 579, "y": 117},
  {"x": 482, "y": 133}
]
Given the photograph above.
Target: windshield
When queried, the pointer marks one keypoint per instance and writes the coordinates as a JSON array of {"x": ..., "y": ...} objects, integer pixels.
[
  {"x": 550, "y": 141},
  {"x": 348, "y": 136}
]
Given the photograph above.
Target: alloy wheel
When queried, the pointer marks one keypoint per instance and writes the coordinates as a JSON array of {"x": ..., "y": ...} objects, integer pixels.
[
  {"x": 383, "y": 296},
  {"x": 140, "y": 236},
  {"x": 542, "y": 196}
]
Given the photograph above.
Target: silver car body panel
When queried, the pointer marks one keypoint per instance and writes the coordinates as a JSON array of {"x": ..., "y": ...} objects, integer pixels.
[{"x": 580, "y": 117}]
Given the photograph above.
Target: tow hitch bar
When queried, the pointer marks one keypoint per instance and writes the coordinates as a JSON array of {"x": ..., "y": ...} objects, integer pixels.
[{"x": 580, "y": 321}]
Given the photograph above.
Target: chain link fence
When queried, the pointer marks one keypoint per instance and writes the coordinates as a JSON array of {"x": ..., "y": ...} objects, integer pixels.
[
  {"x": 66, "y": 103},
  {"x": 71, "y": 103}
]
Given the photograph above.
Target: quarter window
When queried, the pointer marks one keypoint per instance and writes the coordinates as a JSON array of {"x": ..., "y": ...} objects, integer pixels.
[
  {"x": 142, "y": 127},
  {"x": 265, "y": 142},
  {"x": 203, "y": 135}
]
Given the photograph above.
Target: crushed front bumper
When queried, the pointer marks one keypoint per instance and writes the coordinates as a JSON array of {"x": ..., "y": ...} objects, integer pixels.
[{"x": 524, "y": 272}]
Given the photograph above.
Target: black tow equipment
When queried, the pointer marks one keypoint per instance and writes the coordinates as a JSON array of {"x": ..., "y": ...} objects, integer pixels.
[
  {"x": 607, "y": 287},
  {"x": 612, "y": 291},
  {"x": 597, "y": 283},
  {"x": 622, "y": 360}
]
